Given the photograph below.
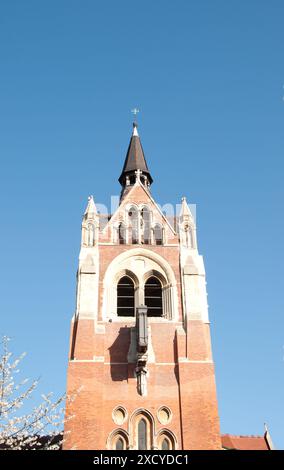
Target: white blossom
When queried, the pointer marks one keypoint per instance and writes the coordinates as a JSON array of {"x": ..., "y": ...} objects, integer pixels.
[{"x": 39, "y": 429}]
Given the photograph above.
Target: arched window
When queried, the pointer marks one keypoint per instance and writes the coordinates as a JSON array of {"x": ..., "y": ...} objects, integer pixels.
[
  {"x": 119, "y": 445},
  {"x": 142, "y": 430},
  {"x": 118, "y": 440},
  {"x": 158, "y": 235},
  {"x": 188, "y": 236},
  {"x": 142, "y": 434},
  {"x": 166, "y": 441},
  {"x": 153, "y": 297},
  {"x": 133, "y": 217},
  {"x": 125, "y": 297},
  {"x": 146, "y": 218},
  {"x": 165, "y": 444},
  {"x": 121, "y": 234},
  {"x": 91, "y": 235}
]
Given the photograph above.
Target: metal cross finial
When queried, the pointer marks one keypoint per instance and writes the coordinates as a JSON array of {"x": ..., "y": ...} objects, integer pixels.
[{"x": 135, "y": 111}]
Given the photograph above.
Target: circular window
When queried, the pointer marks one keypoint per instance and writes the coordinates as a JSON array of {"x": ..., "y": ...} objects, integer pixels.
[
  {"x": 164, "y": 415},
  {"x": 119, "y": 415}
]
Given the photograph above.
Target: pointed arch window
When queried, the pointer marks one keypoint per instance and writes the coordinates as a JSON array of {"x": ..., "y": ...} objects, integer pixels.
[
  {"x": 121, "y": 234},
  {"x": 118, "y": 440},
  {"x": 158, "y": 234},
  {"x": 142, "y": 434},
  {"x": 125, "y": 297},
  {"x": 134, "y": 224},
  {"x": 146, "y": 222},
  {"x": 120, "y": 444},
  {"x": 153, "y": 297},
  {"x": 166, "y": 441},
  {"x": 91, "y": 234},
  {"x": 188, "y": 236},
  {"x": 165, "y": 444},
  {"x": 142, "y": 430}
]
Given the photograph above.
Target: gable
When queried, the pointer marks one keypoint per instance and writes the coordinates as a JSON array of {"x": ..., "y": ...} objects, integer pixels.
[{"x": 139, "y": 197}]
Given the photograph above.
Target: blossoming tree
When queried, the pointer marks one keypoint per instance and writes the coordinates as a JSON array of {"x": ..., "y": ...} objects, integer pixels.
[{"x": 40, "y": 428}]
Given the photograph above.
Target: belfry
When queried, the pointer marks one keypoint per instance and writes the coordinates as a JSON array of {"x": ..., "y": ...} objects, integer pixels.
[{"x": 140, "y": 347}]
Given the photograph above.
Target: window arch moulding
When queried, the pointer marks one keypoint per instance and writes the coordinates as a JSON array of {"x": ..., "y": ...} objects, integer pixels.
[{"x": 140, "y": 264}]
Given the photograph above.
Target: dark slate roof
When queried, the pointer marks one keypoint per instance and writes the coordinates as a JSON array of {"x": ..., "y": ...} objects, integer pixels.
[{"x": 135, "y": 159}]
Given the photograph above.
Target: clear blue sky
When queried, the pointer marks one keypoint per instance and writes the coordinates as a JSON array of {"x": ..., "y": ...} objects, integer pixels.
[{"x": 208, "y": 78}]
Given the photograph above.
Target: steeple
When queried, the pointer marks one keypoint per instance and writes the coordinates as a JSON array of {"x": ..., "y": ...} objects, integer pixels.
[
  {"x": 141, "y": 306},
  {"x": 185, "y": 213},
  {"x": 91, "y": 210},
  {"x": 90, "y": 224},
  {"x": 135, "y": 160}
]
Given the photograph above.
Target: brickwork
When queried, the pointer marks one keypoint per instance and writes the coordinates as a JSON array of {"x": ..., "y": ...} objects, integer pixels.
[{"x": 180, "y": 368}]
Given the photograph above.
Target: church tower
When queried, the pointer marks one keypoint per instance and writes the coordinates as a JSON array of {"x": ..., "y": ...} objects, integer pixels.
[{"x": 140, "y": 348}]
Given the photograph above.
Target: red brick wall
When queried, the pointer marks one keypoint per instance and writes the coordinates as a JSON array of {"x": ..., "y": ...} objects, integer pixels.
[
  {"x": 181, "y": 378},
  {"x": 187, "y": 388}
]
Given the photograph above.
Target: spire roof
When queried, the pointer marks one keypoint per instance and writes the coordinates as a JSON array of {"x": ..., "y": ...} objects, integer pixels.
[
  {"x": 185, "y": 211},
  {"x": 135, "y": 159},
  {"x": 91, "y": 208}
]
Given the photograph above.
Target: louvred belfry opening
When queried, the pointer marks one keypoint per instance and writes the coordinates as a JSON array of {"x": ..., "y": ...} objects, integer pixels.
[
  {"x": 153, "y": 297},
  {"x": 125, "y": 297}
]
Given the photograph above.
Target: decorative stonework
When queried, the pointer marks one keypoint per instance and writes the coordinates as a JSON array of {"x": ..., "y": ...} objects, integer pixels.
[
  {"x": 119, "y": 415},
  {"x": 173, "y": 375},
  {"x": 139, "y": 264},
  {"x": 164, "y": 415}
]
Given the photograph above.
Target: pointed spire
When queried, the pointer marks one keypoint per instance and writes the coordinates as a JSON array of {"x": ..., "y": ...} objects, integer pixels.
[
  {"x": 267, "y": 438},
  {"x": 135, "y": 130},
  {"x": 91, "y": 209},
  {"x": 135, "y": 160},
  {"x": 185, "y": 211}
]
